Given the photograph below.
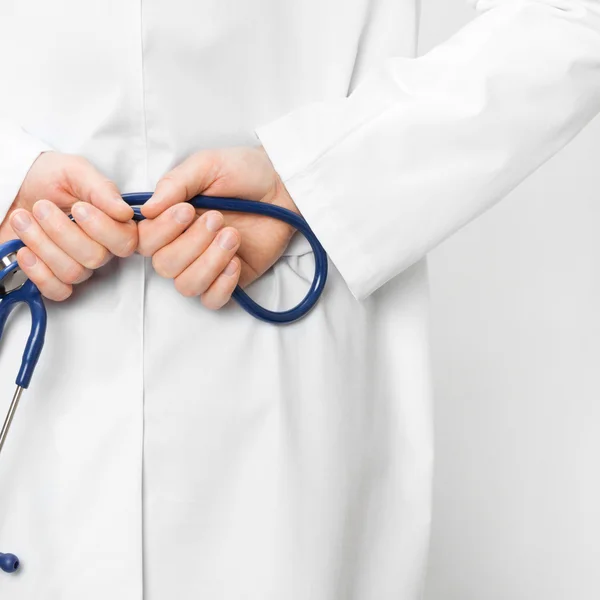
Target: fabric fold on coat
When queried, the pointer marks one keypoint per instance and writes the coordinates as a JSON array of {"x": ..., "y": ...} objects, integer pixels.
[
  {"x": 424, "y": 145},
  {"x": 18, "y": 151}
]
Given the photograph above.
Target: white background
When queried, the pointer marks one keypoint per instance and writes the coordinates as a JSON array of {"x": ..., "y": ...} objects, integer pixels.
[{"x": 516, "y": 338}]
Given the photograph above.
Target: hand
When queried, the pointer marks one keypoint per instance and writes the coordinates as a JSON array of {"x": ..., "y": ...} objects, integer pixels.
[
  {"x": 58, "y": 252},
  {"x": 209, "y": 255}
]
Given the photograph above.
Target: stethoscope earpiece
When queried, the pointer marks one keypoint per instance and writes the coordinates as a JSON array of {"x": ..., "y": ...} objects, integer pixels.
[{"x": 9, "y": 563}]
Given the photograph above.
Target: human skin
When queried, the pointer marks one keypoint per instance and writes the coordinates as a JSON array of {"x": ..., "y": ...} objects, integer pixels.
[
  {"x": 205, "y": 253},
  {"x": 207, "y": 256},
  {"x": 60, "y": 253}
]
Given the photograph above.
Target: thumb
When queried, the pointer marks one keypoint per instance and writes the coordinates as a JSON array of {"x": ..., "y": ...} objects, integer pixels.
[
  {"x": 89, "y": 185},
  {"x": 188, "y": 179}
]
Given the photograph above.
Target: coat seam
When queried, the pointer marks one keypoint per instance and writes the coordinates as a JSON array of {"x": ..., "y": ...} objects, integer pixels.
[{"x": 143, "y": 282}]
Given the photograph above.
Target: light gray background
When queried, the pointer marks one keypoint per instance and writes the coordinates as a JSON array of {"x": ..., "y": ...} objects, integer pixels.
[{"x": 516, "y": 338}]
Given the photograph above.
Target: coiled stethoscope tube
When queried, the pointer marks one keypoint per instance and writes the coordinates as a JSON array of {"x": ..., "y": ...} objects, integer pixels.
[
  {"x": 16, "y": 289},
  {"x": 136, "y": 200}
]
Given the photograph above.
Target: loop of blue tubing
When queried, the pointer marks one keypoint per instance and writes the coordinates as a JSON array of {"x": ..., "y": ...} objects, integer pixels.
[
  {"x": 30, "y": 294},
  {"x": 135, "y": 200}
]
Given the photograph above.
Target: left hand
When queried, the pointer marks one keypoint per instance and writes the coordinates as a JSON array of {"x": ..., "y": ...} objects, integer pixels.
[{"x": 209, "y": 255}]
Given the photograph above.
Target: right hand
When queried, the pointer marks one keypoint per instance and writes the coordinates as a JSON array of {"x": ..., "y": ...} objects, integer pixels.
[{"x": 60, "y": 253}]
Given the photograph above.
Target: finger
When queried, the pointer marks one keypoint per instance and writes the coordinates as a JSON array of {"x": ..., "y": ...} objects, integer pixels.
[
  {"x": 219, "y": 293},
  {"x": 157, "y": 233},
  {"x": 171, "y": 260},
  {"x": 68, "y": 236},
  {"x": 42, "y": 276},
  {"x": 121, "y": 239},
  {"x": 183, "y": 182},
  {"x": 57, "y": 260},
  {"x": 89, "y": 185},
  {"x": 199, "y": 276},
  {"x": 231, "y": 172}
]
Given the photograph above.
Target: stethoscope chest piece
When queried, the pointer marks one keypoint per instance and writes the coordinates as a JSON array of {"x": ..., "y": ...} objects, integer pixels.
[{"x": 14, "y": 277}]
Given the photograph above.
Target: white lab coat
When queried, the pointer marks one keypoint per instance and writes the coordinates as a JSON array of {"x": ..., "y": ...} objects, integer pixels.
[{"x": 166, "y": 451}]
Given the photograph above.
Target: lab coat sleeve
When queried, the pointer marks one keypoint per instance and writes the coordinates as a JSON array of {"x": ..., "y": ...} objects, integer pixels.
[
  {"x": 18, "y": 151},
  {"x": 424, "y": 145}
]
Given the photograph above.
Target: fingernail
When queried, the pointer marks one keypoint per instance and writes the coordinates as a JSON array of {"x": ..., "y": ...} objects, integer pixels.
[
  {"x": 41, "y": 209},
  {"x": 21, "y": 221},
  {"x": 81, "y": 212},
  {"x": 214, "y": 220},
  {"x": 28, "y": 259},
  {"x": 231, "y": 268},
  {"x": 183, "y": 214},
  {"x": 228, "y": 240}
]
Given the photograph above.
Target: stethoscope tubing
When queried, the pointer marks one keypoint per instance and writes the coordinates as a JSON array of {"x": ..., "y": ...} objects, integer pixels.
[
  {"x": 29, "y": 294},
  {"x": 136, "y": 200}
]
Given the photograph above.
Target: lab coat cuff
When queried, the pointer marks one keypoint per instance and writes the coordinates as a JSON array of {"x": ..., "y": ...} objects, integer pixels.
[
  {"x": 312, "y": 194},
  {"x": 18, "y": 151}
]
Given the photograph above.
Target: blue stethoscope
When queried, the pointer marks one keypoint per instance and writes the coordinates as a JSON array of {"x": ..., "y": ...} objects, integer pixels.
[{"x": 15, "y": 289}]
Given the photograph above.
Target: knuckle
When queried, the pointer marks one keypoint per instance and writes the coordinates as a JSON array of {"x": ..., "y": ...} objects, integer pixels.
[
  {"x": 76, "y": 163},
  {"x": 77, "y": 159},
  {"x": 143, "y": 243},
  {"x": 73, "y": 159},
  {"x": 145, "y": 250},
  {"x": 212, "y": 301},
  {"x": 161, "y": 265},
  {"x": 72, "y": 273},
  {"x": 87, "y": 273},
  {"x": 60, "y": 227},
  {"x": 171, "y": 181},
  {"x": 59, "y": 294},
  {"x": 93, "y": 196},
  {"x": 111, "y": 186},
  {"x": 57, "y": 186},
  {"x": 173, "y": 185},
  {"x": 64, "y": 294},
  {"x": 105, "y": 186},
  {"x": 211, "y": 161},
  {"x": 96, "y": 260},
  {"x": 128, "y": 246},
  {"x": 184, "y": 287}
]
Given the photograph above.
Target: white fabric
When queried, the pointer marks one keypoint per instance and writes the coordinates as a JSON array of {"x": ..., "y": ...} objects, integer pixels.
[
  {"x": 165, "y": 451},
  {"x": 18, "y": 150},
  {"x": 423, "y": 146}
]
